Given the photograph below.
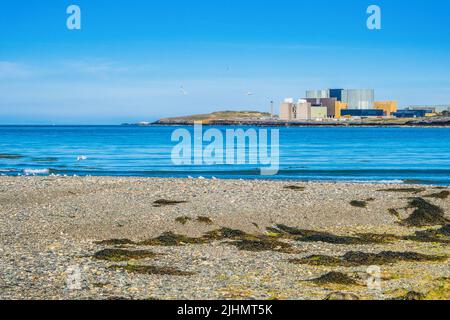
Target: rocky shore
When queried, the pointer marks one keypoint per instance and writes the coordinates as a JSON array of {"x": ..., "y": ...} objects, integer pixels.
[
  {"x": 431, "y": 122},
  {"x": 136, "y": 238}
]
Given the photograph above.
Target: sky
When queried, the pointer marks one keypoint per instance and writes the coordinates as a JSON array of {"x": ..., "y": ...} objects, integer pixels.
[{"x": 139, "y": 60}]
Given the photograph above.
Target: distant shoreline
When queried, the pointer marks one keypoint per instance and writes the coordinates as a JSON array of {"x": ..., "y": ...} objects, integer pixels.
[{"x": 441, "y": 122}]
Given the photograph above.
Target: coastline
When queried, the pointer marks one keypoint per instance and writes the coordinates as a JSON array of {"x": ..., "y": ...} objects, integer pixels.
[
  {"x": 389, "y": 123},
  {"x": 49, "y": 224}
]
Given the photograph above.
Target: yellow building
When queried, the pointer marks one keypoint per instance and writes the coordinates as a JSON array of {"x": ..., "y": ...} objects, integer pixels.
[
  {"x": 318, "y": 113},
  {"x": 389, "y": 107},
  {"x": 338, "y": 107}
]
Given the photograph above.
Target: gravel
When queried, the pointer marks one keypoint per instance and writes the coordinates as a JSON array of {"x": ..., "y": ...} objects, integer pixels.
[{"x": 50, "y": 228}]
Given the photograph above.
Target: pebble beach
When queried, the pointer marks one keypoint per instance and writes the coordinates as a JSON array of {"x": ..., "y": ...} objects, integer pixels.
[{"x": 145, "y": 238}]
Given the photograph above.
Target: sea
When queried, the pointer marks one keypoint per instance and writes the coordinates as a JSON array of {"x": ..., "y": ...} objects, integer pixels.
[{"x": 351, "y": 154}]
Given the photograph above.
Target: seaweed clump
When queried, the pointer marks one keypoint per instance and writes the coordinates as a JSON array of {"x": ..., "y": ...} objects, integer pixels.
[
  {"x": 123, "y": 255},
  {"x": 335, "y": 278},
  {"x": 226, "y": 234},
  {"x": 164, "y": 202},
  {"x": 317, "y": 236},
  {"x": 404, "y": 190},
  {"x": 440, "y": 195},
  {"x": 115, "y": 242},
  {"x": 358, "y": 204},
  {"x": 170, "y": 239},
  {"x": 295, "y": 188},
  {"x": 153, "y": 270},
  {"x": 441, "y": 235},
  {"x": 424, "y": 215},
  {"x": 354, "y": 258},
  {"x": 204, "y": 220},
  {"x": 183, "y": 220}
]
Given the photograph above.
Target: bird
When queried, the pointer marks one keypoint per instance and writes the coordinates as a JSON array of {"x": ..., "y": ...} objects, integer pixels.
[
  {"x": 183, "y": 91},
  {"x": 249, "y": 93}
]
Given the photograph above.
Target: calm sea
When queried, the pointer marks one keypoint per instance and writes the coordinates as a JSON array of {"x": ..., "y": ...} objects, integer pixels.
[{"x": 411, "y": 155}]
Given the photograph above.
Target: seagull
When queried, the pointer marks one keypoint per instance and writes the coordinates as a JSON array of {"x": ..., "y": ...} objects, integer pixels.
[
  {"x": 82, "y": 158},
  {"x": 183, "y": 91},
  {"x": 249, "y": 93}
]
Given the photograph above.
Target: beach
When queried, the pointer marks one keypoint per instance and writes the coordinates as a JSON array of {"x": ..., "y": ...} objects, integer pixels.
[{"x": 151, "y": 238}]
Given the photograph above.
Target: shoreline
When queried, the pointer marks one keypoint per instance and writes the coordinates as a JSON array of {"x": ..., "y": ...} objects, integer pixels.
[{"x": 50, "y": 224}]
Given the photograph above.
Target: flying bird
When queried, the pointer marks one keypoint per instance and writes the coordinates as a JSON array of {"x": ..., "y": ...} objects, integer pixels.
[{"x": 183, "y": 91}]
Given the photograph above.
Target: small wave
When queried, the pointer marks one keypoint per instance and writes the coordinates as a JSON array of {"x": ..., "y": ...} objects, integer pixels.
[{"x": 33, "y": 172}]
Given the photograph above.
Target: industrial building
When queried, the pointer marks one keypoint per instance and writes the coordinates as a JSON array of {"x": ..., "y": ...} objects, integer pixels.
[
  {"x": 302, "y": 110},
  {"x": 420, "y": 113},
  {"x": 317, "y": 94},
  {"x": 362, "y": 113},
  {"x": 329, "y": 103},
  {"x": 434, "y": 108},
  {"x": 354, "y": 98},
  {"x": 389, "y": 107},
  {"x": 358, "y": 98},
  {"x": 338, "y": 103}
]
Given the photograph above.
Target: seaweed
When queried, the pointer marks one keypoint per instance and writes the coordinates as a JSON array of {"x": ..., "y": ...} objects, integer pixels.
[
  {"x": 183, "y": 220},
  {"x": 440, "y": 195},
  {"x": 334, "y": 278},
  {"x": 425, "y": 214},
  {"x": 375, "y": 238},
  {"x": 226, "y": 233},
  {"x": 355, "y": 258},
  {"x": 164, "y": 202},
  {"x": 295, "y": 188},
  {"x": 204, "y": 220},
  {"x": 318, "y": 260},
  {"x": 441, "y": 235},
  {"x": 123, "y": 255},
  {"x": 115, "y": 242},
  {"x": 358, "y": 204},
  {"x": 395, "y": 213},
  {"x": 146, "y": 269},
  {"x": 317, "y": 236},
  {"x": 171, "y": 239},
  {"x": 404, "y": 190}
]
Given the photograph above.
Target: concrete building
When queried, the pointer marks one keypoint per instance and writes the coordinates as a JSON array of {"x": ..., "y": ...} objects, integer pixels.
[
  {"x": 389, "y": 107},
  {"x": 359, "y": 98},
  {"x": 303, "y": 110},
  {"x": 287, "y": 109}
]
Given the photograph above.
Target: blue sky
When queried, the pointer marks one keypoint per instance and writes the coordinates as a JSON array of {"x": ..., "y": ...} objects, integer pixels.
[{"x": 131, "y": 58}]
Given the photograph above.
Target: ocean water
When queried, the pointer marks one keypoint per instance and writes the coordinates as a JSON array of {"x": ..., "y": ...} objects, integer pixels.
[{"x": 410, "y": 155}]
